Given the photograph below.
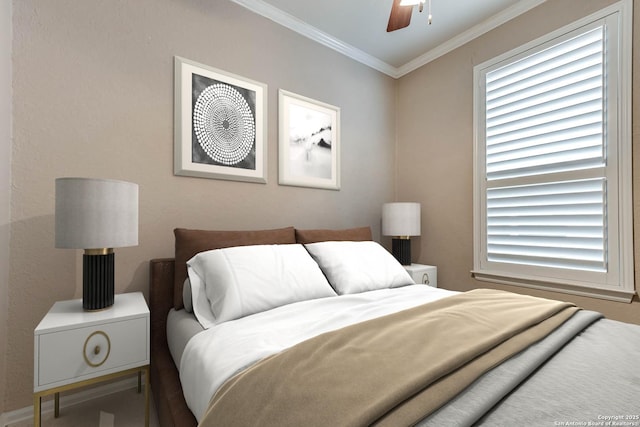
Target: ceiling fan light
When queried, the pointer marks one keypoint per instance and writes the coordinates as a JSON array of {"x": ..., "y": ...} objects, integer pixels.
[{"x": 410, "y": 2}]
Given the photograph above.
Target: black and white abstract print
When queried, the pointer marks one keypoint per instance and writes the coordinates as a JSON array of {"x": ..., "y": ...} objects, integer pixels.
[
  {"x": 224, "y": 124},
  {"x": 310, "y": 142}
]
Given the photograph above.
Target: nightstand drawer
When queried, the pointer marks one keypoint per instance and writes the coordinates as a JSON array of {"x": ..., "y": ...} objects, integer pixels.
[{"x": 76, "y": 354}]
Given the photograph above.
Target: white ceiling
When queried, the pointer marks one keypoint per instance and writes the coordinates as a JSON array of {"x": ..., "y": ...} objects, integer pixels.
[{"x": 357, "y": 28}]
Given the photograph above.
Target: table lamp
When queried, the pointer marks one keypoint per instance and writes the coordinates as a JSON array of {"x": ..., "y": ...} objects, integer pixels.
[
  {"x": 401, "y": 220},
  {"x": 96, "y": 215}
]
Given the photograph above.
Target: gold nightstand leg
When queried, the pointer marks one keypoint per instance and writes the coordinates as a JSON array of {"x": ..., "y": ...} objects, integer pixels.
[
  {"x": 147, "y": 387},
  {"x": 36, "y": 410},
  {"x": 56, "y": 405},
  {"x": 37, "y": 397}
]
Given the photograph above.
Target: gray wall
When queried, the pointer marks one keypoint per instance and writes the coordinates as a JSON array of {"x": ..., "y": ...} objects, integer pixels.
[
  {"x": 93, "y": 96},
  {"x": 435, "y": 148}
]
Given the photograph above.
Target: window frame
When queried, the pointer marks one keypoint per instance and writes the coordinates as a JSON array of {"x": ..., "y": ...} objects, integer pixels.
[{"x": 618, "y": 283}]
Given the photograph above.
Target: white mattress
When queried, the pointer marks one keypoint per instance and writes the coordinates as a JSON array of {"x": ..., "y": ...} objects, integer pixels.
[{"x": 216, "y": 354}]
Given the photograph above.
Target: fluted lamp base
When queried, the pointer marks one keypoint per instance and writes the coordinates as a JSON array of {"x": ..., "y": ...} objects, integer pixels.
[
  {"x": 98, "y": 274},
  {"x": 401, "y": 249}
]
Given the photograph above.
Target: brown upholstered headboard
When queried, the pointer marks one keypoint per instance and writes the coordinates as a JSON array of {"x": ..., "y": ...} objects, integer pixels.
[
  {"x": 313, "y": 236},
  {"x": 165, "y": 380}
]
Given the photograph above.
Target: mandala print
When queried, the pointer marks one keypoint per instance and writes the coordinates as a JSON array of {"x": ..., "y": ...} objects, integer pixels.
[{"x": 224, "y": 124}]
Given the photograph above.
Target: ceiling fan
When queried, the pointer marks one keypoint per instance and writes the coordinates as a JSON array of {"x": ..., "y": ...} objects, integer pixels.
[{"x": 401, "y": 11}]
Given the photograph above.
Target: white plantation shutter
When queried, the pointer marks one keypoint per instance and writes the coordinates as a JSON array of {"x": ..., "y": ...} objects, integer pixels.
[
  {"x": 552, "y": 184},
  {"x": 545, "y": 114},
  {"x": 559, "y": 224}
]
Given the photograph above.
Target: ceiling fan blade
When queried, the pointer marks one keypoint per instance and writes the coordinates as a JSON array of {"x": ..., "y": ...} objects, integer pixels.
[{"x": 400, "y": 16}]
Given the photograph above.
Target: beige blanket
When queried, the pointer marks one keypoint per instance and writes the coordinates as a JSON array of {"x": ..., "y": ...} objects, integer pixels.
[{"x": 390, "y": 371}]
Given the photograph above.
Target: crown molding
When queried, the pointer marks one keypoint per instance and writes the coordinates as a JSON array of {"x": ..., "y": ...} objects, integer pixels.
[
  {"x": 291, "y": 22},
  {"x": 472, "y": 33}
]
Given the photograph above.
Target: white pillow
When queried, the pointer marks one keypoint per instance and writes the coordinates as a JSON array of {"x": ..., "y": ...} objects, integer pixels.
[
  {"x": 244, "y": 280},
  {"x": 353, "y": 267},
  {"x": 187, "y": 299},
  {"x": 199, "y": 301}
]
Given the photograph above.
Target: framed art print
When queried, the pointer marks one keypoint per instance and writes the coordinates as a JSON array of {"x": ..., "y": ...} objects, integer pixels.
[
  {"x": 220, "y": 124},
  {"x": 309, "y": 142}
]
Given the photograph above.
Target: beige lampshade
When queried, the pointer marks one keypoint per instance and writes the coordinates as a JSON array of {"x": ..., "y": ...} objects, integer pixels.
[
  {"x": 96, "y": 213},
  {"x": 401, "y": 219}
]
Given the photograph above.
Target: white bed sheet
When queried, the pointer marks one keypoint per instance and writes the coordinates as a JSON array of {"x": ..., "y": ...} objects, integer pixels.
[{"x": 216, "y": 354}]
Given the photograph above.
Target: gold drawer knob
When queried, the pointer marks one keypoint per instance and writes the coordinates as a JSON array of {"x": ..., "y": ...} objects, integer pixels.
[
  {"x": 425, "y": 278},
  {"x": 96, "y": 340}
]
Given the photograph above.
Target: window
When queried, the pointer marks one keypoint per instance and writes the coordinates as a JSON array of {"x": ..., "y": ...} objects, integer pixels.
[{"x": 552, "y": 190}]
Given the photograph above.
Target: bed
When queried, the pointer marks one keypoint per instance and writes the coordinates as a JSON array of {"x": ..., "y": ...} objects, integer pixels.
[{"x": 548, "y": 363}]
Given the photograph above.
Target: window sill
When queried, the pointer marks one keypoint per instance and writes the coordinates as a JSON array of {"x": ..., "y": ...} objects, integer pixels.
[{"x": 618, "y": 295}]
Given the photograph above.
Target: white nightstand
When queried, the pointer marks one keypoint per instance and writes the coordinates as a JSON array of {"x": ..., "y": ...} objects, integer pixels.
[
  {"x": 423, "y": 274},
  {"x": 75, "y": 348}
]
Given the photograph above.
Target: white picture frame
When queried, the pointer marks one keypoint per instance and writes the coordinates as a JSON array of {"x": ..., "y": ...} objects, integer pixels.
[
  {"x": 220, "y": 124},
  {"x": 308, "y": 142}
]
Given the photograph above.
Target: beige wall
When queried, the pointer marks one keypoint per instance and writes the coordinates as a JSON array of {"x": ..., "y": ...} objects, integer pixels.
[
  {"x": 5, "y": 180},
  {"x": 93, "y": 96},
  {"x": 435, "y": 147}
]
